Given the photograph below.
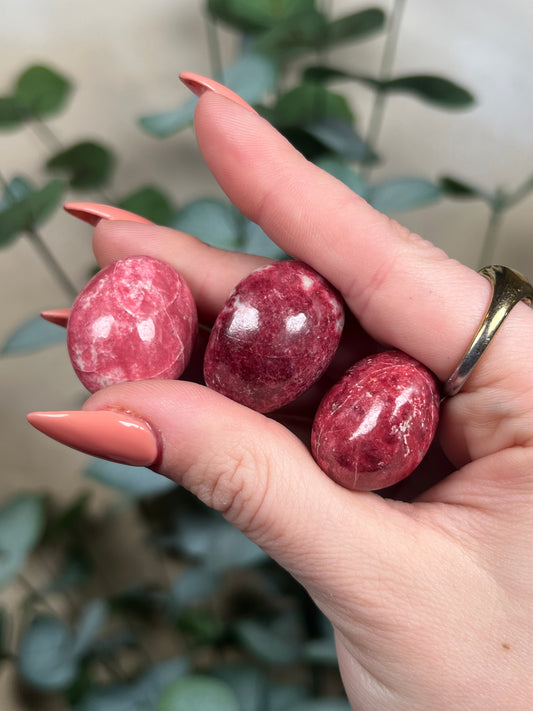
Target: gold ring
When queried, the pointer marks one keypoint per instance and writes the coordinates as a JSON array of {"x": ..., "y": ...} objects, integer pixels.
[{"x": 509, "y": 287}]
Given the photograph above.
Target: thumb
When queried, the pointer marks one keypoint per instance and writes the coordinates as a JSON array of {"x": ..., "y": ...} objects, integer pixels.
[{"x": 251, "y": 469}]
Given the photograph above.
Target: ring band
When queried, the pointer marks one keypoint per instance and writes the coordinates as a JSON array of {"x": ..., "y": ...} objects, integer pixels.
[{"x": 509, "y": 287}]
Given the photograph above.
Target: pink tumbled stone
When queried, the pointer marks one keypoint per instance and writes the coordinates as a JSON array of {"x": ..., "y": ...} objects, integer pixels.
[
  {"x": 135, "y": 320},
  {"x": 373, "y": 428},
  {"x": 275, "y": 336}
]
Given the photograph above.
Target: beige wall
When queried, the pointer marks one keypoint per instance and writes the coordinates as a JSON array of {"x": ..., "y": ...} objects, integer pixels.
[{"x": 125, "y": 58}]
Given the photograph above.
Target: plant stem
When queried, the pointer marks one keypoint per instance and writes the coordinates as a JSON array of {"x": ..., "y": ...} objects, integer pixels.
[
  {"x": 46, "y": 135},
  {"x": 385, "y": 70},
  {"x": 51, "y": 262},
  {"x": 491, "y": 236},
  {"x": 213, "y": 43}
]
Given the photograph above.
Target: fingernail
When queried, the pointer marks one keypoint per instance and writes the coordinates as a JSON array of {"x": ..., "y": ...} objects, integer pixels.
[
  {"x": 93, "y": 212},
  {"x": 102, "y": 433},
  {"x": 199, "y": 85},
  {"x": 58, "y": 316}
]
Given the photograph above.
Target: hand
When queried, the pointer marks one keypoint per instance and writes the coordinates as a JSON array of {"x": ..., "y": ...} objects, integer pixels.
[{"x": 431, "y": 600}]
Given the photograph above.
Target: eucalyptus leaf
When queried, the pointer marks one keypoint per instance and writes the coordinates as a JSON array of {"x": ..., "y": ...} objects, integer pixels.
[
  {"x": 153, "y": 681},
  {"x": 298, "y": 34},
  {"x": 86, "y": 164},
  {"x": 309, "y": 103},
  {"x": 250, "y": 686},
  {"x": 433, "y": 89},
  {"x": 198, "y": 693},
  {"x": 46, "y": 660},
  {"x": 30, "y": 211},
  {"x": 135, "y": 482},
  {"x": 321, "y": 651},
  {"x": 252, "y": 76},
  {"x": 340, "y": 137},
  {"x": 213, "y": 221},
  {"x": 356, "y": 26},
  {"x": 17, "y": 189},
  {"x": 256, "y": 15},
  {"x": 256, "y": 241},
  {"x": 111, "y": 697},
  {"x": 33, "y": 335},
  {"x": 42, "y": 91},
  {"x": 459, "y": 188},
  {"x": 89, "y": 625},
  {"x": 266, "y": 643},
  {"x": 22, "y": 520},
  {"x": 283, "y": 697},
  {"x": 340, "y": 170},
  {"x": 75, "y": 572},
  {"x": 12, "y": 114},
  {"x": 149, "y": 202},
  {"x": 399, "y": 194}
]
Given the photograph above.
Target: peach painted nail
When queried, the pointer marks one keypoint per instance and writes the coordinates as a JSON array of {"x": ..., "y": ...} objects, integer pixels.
[
  {"x": 93, "y": 212},
  {"x": 58, "y": 316},
  {"x": 102, "y": 433},
  {"x": 199, "y": 85}
]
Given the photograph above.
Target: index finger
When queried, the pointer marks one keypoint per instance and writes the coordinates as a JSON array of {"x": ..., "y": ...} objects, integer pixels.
[{"x": 405, "y": 291}]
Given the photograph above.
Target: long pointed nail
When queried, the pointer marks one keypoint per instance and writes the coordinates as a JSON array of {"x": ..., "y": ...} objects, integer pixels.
[
  {"x": 199, "y": 85},
  {"x": 93, "y": 212},
  {"x": 102, "y": 433},
  {"x": 58, "y": 316}
]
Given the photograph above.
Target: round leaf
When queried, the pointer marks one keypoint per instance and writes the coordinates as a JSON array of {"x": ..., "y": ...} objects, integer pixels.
[
  {"x": 403, "y": 194},
  {"x": 344, "y": 173},
  {"x": 193, "y": 585},
  {"x": 30, "y": 211},
  {"x": 136, "y": 482},
  {"x": 31, "y": 336},
  {"x": 340, "y": 137},
  {"x": 46, "y": 660},
  {"x": 308, "y": 104},
  {"x": 12, "y": 114},
  {"x": 42, "y": 91},
  {"x": 256, "y": 241},
  {"x": 266, "y": 643},
  {"x": 22, "y": 522},
  {"x": 251, "y": 76},
  {"x": 16, "y": 190},
  {"x": 156, "y": 678},
  {"x": 90, "y": 623},
  {"x": 165, "y": 124},
  {"x": 151, "y": 203},
  {"x": 256, "y": 15},
  {"x": 87, "y": 164},
  {"x": 436, "y": 90},
  {"x": 250, "y": 686},
  {"x": 198, "y": 693},
  {"x": 213, "y": 221}
]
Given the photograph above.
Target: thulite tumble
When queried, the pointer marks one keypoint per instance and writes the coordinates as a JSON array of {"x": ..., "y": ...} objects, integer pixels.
[
  {"x": 374, "y": 426},
  {"x": 275, "y": 336},
  {"x": 135, "y": 320}
]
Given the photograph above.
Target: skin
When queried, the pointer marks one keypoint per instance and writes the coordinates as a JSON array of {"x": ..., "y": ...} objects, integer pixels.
[{"x": 431, "y": 599}]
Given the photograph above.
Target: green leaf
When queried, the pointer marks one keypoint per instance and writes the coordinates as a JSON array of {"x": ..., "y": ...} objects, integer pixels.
[
  {"x": 46, "y": 660},
  {"x": 151, "y": 203},
  {"x": 29, "y": 212},
  {"x": 156, "y": 678},
  {"x": 340, "y": 137},
  {"x": 460, "y": 189},
  {"x": 283, "y": 697},
  {"x": 298, "y": 34},
  {"x": 256, "y": 241},
  {"x": 198, "y": 693},
  {"x": 433, "y": 89},
  {"x": 22, "y": 522},
  {"x": 31, "y": 336},
  {"x": 308, "y": 104},
  {"x": 17, "y": 189},
  {"x": 86, "y": 164},
  {"x": 135, "y": 482},
  {"x": 400, "y": 194},
  {"x": 75, "y": 572},
  {"x": 250, "y": 686},
  {"x": 12, "y": 114},
  {"x": 89, "y": 625},
  {"x": 267, "y": 643},
  {"x": 256, "y": 15},
  {"x": 321, "y": 651},
  {"x": 213, "y": 221},
  {"x": 355, "y": 26},
  {"x": 251, "y": 76},
  {"x": 340, "y": 170},
  {"x": 42, "y": 91}
]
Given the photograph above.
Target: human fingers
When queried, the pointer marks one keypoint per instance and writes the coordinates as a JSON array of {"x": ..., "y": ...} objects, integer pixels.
[
  {"x": 211, "y": 273},
  {"x": 405, "y": 291}
]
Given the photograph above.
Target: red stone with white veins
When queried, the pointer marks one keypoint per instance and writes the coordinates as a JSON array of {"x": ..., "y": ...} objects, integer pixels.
[
  {"x": 374, "y": 426},
  {"x": 135, "y": 320},
  {"x": 275, "y": 336}
]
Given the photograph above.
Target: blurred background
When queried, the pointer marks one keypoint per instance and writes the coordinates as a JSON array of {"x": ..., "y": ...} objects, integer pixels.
[{"x": 124, "y": 59}]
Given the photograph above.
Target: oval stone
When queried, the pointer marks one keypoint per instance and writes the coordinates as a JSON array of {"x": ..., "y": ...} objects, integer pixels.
[
  {"x": 275, "y": 336},
  {"x": 135, "y": 320},
  {"x": 374, "y": 426}
]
